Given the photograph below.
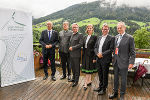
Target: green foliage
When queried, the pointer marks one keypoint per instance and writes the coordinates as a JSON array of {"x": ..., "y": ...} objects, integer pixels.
[
  {"x": 93, "y": 21},
  {"x": 84, "y": 11},
  {"x": 142, "y": 38},
  {"x": 36, "y": 35},
  {"x": 94, "y": 13},
  {"x": 141, "y": 24},
  {"x": 111, "y": 23},
  {"x": 37, "y": 49}
]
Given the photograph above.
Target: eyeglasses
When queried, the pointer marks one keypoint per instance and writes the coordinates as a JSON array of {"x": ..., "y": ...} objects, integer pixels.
[
  {"x": 105, "y": 29},
  {"x": 74, "y": 27}
]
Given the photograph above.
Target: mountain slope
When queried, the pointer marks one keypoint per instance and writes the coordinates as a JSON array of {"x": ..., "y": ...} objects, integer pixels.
[{"x": 83, "y": 11}]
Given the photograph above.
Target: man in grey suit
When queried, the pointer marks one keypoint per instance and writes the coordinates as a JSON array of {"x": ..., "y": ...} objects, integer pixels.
[
  {"x": 64, "y": 39},
  {"x": 124, "y": 57},
  {"x": 76, "y": 43}
]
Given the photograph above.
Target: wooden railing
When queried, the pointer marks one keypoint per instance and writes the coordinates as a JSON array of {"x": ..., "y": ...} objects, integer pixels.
[{"x": 58, "y": 60}]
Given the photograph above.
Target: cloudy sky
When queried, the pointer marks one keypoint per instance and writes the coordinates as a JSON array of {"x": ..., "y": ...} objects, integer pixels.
[{"x": 41, "y": 8}]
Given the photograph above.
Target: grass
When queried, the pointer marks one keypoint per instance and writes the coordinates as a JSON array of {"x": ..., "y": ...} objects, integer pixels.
[
  {"x": 42, "y": 26},
  {"x": 93, "y": 21},
  {"x": 111, "y": 23},
  {"x": 142, "y": 24}
]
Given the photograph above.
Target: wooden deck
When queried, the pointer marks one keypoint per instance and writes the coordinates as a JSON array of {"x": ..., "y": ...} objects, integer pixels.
[{"x": 40, "y": 89}]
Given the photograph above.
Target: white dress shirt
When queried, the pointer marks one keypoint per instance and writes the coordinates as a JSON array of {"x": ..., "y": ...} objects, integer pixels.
[
  {"x": 87, "y": 39},
  {"x": 50, "y": 32},
  {"x": 101, "y": 43},
  {"x": 119, "y": 39}
]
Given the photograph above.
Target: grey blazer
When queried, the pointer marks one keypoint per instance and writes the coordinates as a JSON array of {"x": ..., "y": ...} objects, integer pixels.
[
  {"x": 64, "y": 39},
  {"x": 76, "y": 42},
  {"x": 126, "y": 52}
]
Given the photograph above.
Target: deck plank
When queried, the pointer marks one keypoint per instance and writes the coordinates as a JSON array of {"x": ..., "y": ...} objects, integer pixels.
[{"x": 40, "y": 89}]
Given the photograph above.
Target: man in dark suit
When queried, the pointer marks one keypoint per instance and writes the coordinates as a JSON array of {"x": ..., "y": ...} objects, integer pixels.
[
  {"x": 64, "y": 39},
  {"x": 124, "y": 57},
  {"x": 48, "y": 40},
  {"x": 103, "y": 50},
  {"x": 76, "y": 43}
]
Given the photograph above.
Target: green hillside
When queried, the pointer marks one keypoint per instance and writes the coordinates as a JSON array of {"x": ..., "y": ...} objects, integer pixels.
[
  {"x": 93, "y": 21},
  {"x": 111, "y": 23},
  {"x": 142, "y": 24},
  {"x": 42, "y": 26}
]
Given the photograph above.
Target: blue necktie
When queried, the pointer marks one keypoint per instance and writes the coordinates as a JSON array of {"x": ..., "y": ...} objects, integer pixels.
[{"x": 49, "y": 34}]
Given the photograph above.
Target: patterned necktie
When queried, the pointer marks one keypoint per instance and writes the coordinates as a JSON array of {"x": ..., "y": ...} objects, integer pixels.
[
  {"x": 49, "y": 34},
  {"x": 119, "y": 40}
]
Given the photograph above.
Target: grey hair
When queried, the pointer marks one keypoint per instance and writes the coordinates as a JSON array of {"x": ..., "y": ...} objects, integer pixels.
[
  {"x": 75, "y": 24},
  {"x": 105, "y": 25},
  {"x": 66, "y": 22},
  {"x": 121, "y": 23}
]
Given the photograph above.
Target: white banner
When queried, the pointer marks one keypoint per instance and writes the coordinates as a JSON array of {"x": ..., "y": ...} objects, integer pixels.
[{"x": 16, "y": 47}]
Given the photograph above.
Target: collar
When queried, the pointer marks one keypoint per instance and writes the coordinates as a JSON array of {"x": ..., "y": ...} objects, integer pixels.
[
  {"x": 74, "y": 33},
  {"x": 104, "y": 36},
  {"x": 65, "y": 30},
  {"x": 49, "y": 30},
  {"x": 122, "y": 34}
]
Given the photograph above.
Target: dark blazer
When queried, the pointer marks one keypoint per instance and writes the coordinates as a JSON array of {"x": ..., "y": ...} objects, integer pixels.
[
  {"x": 76, "y": 42},
  {"x": 126, "y": 52},
  {"x": 90, "y": 46},
  {"x": 44, "y": 40},
  {"x": 107, "y": 49}
]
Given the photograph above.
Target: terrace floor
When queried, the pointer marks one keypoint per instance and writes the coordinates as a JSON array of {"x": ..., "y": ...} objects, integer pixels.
[{"x": 40, "y": 89}]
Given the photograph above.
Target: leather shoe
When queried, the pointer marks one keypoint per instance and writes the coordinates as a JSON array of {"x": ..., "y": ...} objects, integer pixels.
[
  {"x": 45, "y": 77},
  {"x": 97, "y": 89},
  {"x": 121, "y": 97},
  {"x": 114, "y": 95},
  {"x": 63, "y": 77},
  {"x": 69, "y": 77},
  {"x": 101, "y": 92},
  {"x": 71, "y": 80},
  {"x": 74, "y": 84},
  {"x": 53, "y": 78}
]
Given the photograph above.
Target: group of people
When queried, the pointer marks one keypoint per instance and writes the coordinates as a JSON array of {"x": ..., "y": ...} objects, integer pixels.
[{"x": 98, "y": 53}]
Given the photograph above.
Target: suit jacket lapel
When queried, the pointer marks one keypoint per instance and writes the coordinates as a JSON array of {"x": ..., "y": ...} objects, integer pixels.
[
  {"x": 105, "y": 42},
  {"x": 85, "y": 39},
  {"x": 123, "y": 39},
  {"x": 99, "y": 41},
  {"x": 89, "y": 39},
  {"x": 46, "y": 32},
  {"x": 116, "y": 39}
]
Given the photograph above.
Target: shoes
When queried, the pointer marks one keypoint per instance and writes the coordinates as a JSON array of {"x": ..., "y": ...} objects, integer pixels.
[
  {"x": 97, "y": 89},
  {"x": 71, "y": 80},
  {"x": 69, "y": 77},
  {"x": 53, "y": 78},
  {"x": 74, "y": 84},
  {"x": 114, "y": 95},
  {"x": 89, "y": 84},
  {"x": 45, "y": 77},
  {"x": 121, "y": 97},
  {"x": 101, "y": 92},
  {"x": 63, "y": 77}
]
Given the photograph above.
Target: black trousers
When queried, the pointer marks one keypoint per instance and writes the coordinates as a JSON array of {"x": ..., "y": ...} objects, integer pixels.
[
  {"x": 103, "y": 70},
  {"x": 51, "y": 57},
  {"x": 75, "y": 65},
  {"x": 65, "y": 63},
  {"x": 123, "y": 73}
]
